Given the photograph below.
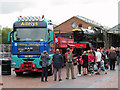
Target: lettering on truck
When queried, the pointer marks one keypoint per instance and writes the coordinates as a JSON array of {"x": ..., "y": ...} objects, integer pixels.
[{"x": 29, "y": 24}]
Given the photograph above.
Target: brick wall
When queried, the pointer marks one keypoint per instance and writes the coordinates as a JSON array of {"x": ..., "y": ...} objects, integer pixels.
[{"x": 66, "y": 26}]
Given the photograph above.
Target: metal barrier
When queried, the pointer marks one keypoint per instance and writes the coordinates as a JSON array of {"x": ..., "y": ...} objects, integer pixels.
[
  {"x": 5, "y": 59},
  {"x": 4, "y": 51}
]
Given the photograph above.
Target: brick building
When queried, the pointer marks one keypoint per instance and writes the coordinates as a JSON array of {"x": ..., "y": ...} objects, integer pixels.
[{"x": 72, "y": 23}]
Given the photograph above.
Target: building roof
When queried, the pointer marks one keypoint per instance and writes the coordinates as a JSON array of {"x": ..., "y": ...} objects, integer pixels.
[
  {"x": 89, "y": 21},
  {"x": 115, "y": 29},
  {"x": 92, "y": 22}
]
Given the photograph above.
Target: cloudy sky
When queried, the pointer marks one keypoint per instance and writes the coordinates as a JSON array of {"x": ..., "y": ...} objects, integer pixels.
[{"x": 104, "y": 12}]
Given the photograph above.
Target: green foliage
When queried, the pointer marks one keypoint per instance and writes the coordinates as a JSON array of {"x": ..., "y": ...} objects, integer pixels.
[
  {"x": 0, "y": 36},
  {"x": 4, "y": 38}
]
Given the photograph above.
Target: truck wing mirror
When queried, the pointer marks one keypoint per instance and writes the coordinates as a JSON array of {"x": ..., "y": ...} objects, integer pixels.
[
  {"x": 9, "y": 37},
  {"x": 49, "y": 42}
]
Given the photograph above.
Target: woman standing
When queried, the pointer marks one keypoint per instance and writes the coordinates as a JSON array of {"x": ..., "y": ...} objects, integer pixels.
[
  {"x": 91, "y": 58},
  {"x": 85, "y": 63},
  {"x": 44, "y": 57}
]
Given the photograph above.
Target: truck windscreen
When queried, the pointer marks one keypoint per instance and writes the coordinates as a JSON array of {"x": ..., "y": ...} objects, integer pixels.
[{"x": 30, "y": 34}]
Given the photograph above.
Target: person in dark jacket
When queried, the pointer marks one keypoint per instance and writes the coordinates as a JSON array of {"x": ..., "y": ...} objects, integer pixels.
[
  {"x": 112, "y": 57},
  {"x": 57, "y": 64},
  {"x": 79, "y": 64},
  {"x": 117, "y": 53},
  {"x": 44, "y": 57}
]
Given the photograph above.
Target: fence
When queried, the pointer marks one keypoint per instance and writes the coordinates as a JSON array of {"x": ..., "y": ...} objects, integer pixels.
[{"x": 4, "y": 52}]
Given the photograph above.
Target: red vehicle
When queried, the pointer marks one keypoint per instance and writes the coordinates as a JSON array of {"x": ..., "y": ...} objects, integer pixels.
[
  {"x": 75, "y": 43},
  {"x": 63, "y": 43}
]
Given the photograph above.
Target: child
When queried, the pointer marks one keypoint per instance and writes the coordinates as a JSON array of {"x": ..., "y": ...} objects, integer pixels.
[{"x": 102, "y": 65}]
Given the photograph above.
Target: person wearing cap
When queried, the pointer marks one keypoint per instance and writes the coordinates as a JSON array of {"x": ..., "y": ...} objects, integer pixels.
[
  {"x": 44, "y": 57},
  {"x": 69, "y": 63},
  {"x": 98, "y": 60},
  {"x": 57, "y": 64}
]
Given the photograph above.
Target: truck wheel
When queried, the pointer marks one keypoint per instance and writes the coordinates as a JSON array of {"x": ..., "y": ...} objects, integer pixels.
[
  {"x": 19, "y": 73},
  {"x": 50, "y": 70}
]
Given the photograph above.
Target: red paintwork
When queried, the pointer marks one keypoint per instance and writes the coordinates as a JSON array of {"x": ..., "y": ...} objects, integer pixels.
[
  {"x": 28, "y": 67},
  {"x": 64, "y": 42},
  {"x": 77, "y": 45}
]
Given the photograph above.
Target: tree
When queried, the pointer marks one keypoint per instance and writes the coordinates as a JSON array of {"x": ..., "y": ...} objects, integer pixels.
[
  {"x": 5, "y": 35},
  {"x": 0, "y": 36}
]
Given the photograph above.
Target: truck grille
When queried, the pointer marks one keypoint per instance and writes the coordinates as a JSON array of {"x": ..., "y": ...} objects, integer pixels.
[
  {"x": 27, "y": 66},
  {"x": 28, "y": 59}
]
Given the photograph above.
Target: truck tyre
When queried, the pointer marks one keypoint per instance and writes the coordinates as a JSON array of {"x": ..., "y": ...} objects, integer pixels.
[
  {"x": 50, "y": 70},
  {"x": 19, "y": 73}
]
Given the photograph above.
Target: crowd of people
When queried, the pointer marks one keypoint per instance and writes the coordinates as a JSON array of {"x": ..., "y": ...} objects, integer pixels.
[
  {"x": 90, "y": 62},
  {"x": 95, "y": 60}
]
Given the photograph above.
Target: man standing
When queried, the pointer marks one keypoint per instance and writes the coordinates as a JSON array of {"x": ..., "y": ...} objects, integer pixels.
[
  {"x": 112, "y": 57},
  {"x": 69, "y": 63},
  {"x": 98, "y": 59},
  {"x": 57, "y": 64}
]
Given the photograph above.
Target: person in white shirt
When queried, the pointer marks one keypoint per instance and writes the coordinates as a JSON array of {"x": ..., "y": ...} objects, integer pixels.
[{"x": 98, "y": 59}]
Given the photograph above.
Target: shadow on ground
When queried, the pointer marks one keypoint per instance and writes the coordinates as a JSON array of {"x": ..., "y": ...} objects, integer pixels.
[{"x": 31, "y": 75}]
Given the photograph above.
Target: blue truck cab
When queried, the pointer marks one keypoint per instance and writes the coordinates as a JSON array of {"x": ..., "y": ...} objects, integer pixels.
[{"x": 29, "y": 38}]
